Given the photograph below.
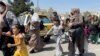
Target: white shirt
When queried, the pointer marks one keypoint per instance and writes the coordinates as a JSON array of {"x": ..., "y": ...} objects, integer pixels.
[{"x": 56, "y": 30}]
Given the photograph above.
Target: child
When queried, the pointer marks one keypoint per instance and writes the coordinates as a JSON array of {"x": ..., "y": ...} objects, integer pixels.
[
  {"x": 19, "y": 41},
  {"x": 56, "y": 30},
  {"x": 86, "y": 35},
  {"x": 66, "y": 28}
]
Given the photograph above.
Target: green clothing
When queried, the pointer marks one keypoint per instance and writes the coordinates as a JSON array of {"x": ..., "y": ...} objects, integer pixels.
[{"x": 94, "y": 38}]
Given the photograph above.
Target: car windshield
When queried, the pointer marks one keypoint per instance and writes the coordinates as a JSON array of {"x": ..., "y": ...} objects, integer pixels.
[
  {"x": 45, "y": 19},
  {"x": 21, "y": 20}
]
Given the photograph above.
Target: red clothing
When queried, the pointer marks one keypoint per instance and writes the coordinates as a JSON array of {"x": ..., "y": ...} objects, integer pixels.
[{"x": 86, "y": 32}]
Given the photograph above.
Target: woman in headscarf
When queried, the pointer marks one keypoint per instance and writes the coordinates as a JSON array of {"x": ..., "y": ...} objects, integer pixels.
[
  {"x": 3, "y": 10},
  {"x": 4, "y": 40},
  {"x": 35, "y": 42}
]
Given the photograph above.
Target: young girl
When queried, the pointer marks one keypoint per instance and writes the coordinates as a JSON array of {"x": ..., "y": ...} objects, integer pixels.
[
  {"x": 56, "y": 30},
  {"x": 67, "y": 28},
  {"x": 86, "y": 37},
  {"x": 19, "y": 41}
]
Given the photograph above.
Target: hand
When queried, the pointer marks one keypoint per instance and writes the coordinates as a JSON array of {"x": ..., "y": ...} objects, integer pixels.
[
  {"x": 9, "y": 45},
  {"x": 70, "y": 25},
  {"x": 3, "y": 33},
  {"x": 99, "y": 26},
  {"x": 45, "y": 36},
  {"x": 8, "y": 34},
  {"x": 70, "y": 39}
]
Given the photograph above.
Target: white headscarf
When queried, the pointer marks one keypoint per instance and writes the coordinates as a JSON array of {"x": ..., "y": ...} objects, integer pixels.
[
  {"x": 35, "y": 18},
  {"x": 1, "y": 9}
]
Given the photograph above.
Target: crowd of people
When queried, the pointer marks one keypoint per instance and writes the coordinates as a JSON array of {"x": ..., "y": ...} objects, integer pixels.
[{"x": 77, "y": 29}]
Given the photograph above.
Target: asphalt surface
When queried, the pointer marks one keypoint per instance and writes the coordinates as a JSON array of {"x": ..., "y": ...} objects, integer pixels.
[{"x": 49, "y": 50}]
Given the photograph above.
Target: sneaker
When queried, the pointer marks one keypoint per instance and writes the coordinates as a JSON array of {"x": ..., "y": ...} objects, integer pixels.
[{"x": 32, "y": 51}]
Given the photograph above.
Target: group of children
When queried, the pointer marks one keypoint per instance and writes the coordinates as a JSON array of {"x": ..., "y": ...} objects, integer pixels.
[
  {"x": 20, "y": 45},
  {"x": 35, "y": 43},
  {"x": 78, "y": 35}
]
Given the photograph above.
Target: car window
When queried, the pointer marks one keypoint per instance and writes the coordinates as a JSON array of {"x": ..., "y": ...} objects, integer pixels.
[
  {"x": 24, "y": 19},
  {"x": 21, "y": 19},
  {"x": 28, "y": 18},
  {"x": 45, "y": 19}
]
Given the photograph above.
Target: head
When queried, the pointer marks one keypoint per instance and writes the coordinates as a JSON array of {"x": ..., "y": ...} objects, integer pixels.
[
  {"x": 72, "y": 11},
  {"x": 75, "y": 11},
  {"x": 90, "y": 17},
  {"x": 67, "y": 20},
  {"x": 35, "y": 23},
  {"x": 55, "y": 13},
  {"x": 35, "y": 19},
  {"x": 56, "y": 22},
  {"x": 2, "y": 7},
  {"x": 31, "y": 11},
  {"x": 86, "y": 26},
  {"x": 16, "y": 29}
]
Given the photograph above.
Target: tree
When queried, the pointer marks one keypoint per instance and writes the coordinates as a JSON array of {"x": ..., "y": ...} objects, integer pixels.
[
  {"x": 20, "y": 6},
  {"x": 27, "y": 0},
  {"x": 37, "y": 9}
]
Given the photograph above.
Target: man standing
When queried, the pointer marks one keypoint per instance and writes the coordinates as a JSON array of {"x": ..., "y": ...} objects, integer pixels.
[{"x": 76, "y": 33}]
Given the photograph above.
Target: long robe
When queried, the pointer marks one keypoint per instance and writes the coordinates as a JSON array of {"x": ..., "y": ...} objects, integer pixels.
[{"x": 4, "y": 40}]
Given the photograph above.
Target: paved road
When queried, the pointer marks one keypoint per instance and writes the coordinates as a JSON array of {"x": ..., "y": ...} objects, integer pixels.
[{"x": 48, "y": 50}]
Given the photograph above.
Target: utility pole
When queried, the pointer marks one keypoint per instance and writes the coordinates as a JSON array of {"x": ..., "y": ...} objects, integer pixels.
[
  {"x": 37, "y": 3},
  {"x": 38, "y": 6}
]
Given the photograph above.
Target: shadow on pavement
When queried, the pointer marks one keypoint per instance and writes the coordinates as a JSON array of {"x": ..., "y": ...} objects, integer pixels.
[
  {"x": 89, "y": 54},
  {"x": 65, "y": 53},
  {"x": 48, "y": 48},
  {"x": 64, "y": 42},
  {"x": 51, "y": 41}
]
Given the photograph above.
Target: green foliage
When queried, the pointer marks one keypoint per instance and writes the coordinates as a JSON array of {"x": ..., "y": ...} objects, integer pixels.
[{"x": 20, "y": 6}]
